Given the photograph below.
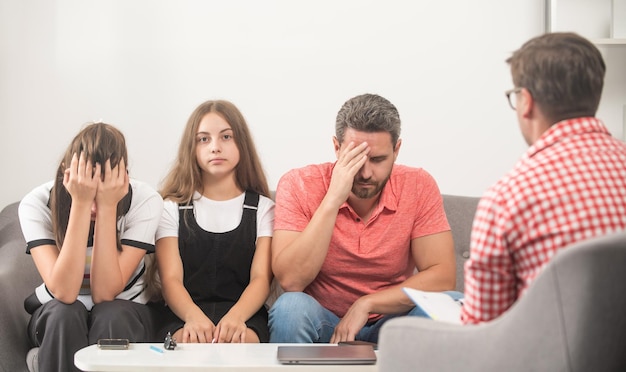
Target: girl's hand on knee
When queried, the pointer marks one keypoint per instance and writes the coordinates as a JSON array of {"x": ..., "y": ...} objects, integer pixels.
[
  {"x": 230, "y": 329},
  {"x": 198, "y": 332}
]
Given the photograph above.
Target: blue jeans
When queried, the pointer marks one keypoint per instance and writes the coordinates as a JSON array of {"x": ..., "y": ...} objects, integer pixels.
[{"x": 297, "y": 317}]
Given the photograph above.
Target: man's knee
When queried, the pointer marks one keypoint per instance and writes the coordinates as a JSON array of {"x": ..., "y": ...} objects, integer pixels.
[
  {"x": 295, "y": 303},
  {"x": 298, "y": 317}
]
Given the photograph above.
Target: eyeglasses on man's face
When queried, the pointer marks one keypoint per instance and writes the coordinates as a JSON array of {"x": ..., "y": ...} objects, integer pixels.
[{"x": 512, "y": 92}]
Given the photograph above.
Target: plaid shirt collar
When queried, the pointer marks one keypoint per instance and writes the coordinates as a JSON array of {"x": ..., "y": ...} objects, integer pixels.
[{"x": 566, "y": 128}]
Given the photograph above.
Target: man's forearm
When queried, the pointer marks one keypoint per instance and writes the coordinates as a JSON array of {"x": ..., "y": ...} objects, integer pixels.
[{"x": 393, "y": 300}]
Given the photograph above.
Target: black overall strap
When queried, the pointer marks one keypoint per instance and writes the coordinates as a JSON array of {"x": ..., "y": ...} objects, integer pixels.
[{"x": 251, "y": 201}]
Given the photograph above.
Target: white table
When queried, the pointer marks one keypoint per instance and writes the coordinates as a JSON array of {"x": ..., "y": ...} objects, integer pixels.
[{"x": 196, "y": 357}]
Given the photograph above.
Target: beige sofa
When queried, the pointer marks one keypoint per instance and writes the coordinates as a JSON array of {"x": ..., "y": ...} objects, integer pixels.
[{"x": 18, "y": 276}]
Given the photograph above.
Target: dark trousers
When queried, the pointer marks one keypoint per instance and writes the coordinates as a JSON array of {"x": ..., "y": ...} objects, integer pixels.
[{"x": 60, "y": 330}]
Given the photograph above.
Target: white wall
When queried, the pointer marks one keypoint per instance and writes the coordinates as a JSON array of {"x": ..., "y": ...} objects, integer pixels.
[{"x": 144, "y": 65}]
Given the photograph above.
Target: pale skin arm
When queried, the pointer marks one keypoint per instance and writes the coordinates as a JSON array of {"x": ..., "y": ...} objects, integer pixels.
[
  {"x": 110, "y": 269},
  {"x": 232, "y": 327},
  {"x": 434, "y": 258},
  {"x": 62, "y": 270},
  {"x": 307, "y": 250},
  {"x": 198, "y": 327}
]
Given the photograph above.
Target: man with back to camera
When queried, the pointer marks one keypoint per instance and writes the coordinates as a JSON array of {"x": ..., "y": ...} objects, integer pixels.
[
  {"x": 348, "y": 235},
  {"x": 569, "y": 186}
]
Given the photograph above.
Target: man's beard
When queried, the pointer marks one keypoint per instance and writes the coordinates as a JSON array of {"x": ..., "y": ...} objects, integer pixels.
[{"x": 366, "y": 193}]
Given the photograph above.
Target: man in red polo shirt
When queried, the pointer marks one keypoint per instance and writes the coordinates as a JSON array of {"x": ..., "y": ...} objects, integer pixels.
[{"x": 349, "y": 235}]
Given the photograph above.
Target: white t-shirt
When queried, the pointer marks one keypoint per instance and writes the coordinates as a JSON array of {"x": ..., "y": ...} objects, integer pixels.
[
  {"x": 217, "y": 216},
  {"x": 137, "y": 229}
]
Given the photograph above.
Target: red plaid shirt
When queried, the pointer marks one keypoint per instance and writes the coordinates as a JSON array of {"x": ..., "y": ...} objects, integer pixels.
[{"x": 569, "y": 186}]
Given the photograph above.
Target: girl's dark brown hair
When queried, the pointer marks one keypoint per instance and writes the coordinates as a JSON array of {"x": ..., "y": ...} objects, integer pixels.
[{"x": 99, "y": 142}]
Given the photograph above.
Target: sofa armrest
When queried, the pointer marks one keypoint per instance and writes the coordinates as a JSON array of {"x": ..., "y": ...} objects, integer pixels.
[{"x": 18, "y": 278}]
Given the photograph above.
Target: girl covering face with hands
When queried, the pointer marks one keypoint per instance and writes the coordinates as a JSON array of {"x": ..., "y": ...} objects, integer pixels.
[{"x": 88, "y": 231}]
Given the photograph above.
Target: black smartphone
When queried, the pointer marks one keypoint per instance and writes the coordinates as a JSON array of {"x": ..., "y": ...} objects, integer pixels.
[{"x": 113, "y": 343}]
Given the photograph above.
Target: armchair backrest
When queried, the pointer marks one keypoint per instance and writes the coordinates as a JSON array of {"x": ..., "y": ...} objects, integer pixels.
[
  {"x": 572, "y": 318},
  {"x": 590, "y": 281}
]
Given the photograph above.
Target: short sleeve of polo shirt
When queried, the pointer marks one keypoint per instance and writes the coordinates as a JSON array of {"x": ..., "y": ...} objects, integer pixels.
[
  {"x": 423, "y": 194},
  {"x": 138, "y": 227},
  {"x": 35, "y": 218},
  {"x": 297, "y": 191}
]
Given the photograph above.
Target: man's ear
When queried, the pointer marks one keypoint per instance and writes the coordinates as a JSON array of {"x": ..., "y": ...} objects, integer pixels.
[
  {"x": 336, "y": 145},
  {"x": 396, "y": 150},
  {"x": 526, "y": 104}
]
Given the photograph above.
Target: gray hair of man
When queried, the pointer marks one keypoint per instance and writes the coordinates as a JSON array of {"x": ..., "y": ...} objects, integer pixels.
[{"x": 368, "y": 113}]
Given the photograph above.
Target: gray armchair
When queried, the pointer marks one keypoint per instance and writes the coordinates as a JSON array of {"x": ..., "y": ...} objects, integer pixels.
[{"x": 573, "y": 318}]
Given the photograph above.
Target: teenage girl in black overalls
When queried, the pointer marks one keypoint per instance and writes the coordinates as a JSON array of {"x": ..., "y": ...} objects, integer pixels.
[{"x": 213, "y": 243}]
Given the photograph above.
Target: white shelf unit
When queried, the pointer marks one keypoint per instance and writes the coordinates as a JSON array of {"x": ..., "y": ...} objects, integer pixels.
[
  {"x": 590, "y": 18},
  {"x": 594, "y": 19},
  {"x": 608, "y": 41}
]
